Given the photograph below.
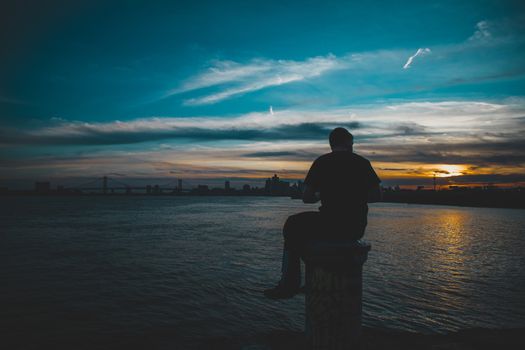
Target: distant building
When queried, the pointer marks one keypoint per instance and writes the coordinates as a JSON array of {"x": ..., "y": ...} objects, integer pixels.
[
  {"x": 42, "y": 187},
  {"x": 156, "y": 189},
  {"x": 227, "y": 186},
  {"x": 246, "y": 188},
  {"x": 275, "y": 187},
  {"x": 202, "y": 189},
  {"x": 105, "y": 184}
]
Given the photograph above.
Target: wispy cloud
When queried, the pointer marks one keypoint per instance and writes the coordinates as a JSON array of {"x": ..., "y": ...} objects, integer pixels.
[
  {"x": 482, "y": 31},
  {"x": 457, "y": 63},
  {"x": 239, "y": 78},
  {"x": 419, "y": 52},
  {"x": 170, "y": 129}
]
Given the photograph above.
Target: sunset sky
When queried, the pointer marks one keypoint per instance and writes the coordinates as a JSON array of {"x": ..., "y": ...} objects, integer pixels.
[{"x": 215, "y": 90}]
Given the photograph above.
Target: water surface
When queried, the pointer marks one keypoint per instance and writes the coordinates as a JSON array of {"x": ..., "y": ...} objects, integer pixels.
[{"x": 162, "y": 269}]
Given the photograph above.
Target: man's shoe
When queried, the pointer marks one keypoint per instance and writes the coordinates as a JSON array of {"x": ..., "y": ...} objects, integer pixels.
[{"x": 281, "y": 292}]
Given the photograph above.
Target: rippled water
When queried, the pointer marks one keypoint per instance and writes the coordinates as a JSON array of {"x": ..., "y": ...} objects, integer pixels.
[{"x": 155, "y": 269}]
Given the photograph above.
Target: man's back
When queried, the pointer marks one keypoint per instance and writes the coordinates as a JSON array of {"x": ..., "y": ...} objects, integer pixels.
[{"x": 343, "y": 179}]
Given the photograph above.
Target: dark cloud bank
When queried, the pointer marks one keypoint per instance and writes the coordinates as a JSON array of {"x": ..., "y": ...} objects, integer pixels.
[
  {"x": 508, "y": 152},
  {"x": 87, "y": 135}
]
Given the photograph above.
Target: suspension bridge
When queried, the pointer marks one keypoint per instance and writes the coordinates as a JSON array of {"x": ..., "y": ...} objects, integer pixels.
[{"x": 109, "y": 185}]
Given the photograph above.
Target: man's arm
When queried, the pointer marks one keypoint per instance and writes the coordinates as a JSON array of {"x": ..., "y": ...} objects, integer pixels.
[
  {"x": 309, "y": 195},
  {"x": 374, "y": 191},
  {"x": 312, "y": 183},
  {"x": 375, "y": 194}
]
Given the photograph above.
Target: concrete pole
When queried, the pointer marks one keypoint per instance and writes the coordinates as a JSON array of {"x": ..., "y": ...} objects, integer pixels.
[{"x": 334, "y": 287}]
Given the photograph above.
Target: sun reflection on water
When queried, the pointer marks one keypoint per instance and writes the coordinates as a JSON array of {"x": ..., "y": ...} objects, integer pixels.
[{"x": 451, "y": 245}]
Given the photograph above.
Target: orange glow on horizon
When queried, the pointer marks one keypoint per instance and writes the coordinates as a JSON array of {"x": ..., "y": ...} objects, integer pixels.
[{"x": 447, "y": 170}]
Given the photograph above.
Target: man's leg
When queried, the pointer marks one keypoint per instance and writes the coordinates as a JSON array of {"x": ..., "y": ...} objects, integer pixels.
[{"x": 297, "y": 230}]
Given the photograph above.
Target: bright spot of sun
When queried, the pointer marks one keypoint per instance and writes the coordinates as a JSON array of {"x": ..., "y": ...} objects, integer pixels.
[{"x": 446, "y": 170}]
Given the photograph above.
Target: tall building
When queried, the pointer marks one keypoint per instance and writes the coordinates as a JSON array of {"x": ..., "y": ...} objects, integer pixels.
[
  {"x": 227, "y": 185},
  {"x": 275, "y": 187}
]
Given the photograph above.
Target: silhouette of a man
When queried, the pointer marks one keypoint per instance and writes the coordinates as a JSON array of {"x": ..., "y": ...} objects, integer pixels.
[{"x": 344, "y": 182}]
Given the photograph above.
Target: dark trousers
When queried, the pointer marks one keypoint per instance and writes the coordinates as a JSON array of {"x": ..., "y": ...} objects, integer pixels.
[{"x": 304, "y": 228}]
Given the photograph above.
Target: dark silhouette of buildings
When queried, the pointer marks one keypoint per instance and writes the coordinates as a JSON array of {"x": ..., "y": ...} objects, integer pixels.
[
  {"x": 201, "y": 190},
  {"x": 42, "y": 187},
  {"x": 105, "y": 185},
  {"x": 486, "y": 195},
  {"x": 480, "y": 196},
  {"x": 275, "y": 187}
]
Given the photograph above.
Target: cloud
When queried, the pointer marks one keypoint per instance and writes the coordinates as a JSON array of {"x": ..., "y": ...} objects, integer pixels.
[
  {"x": 234, "y": 78},
  {"x": 453, "y": 121},
  {"x": 295, "y": 155},
  {"x": 419, "y": 52},
  {"x": 483, "y": 153},
  {"x": 410, "y": 128},
  {"x": 396, "y": 137},
  {"x": 245, "y": 88},
  {"x": 487, "y": 55},
  {"x": 482, "y": 32},
  {"x": 120, "y": 133},
  {"x": 394, "y": 169}
]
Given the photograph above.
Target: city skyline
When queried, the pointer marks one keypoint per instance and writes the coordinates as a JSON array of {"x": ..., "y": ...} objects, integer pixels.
[{"x": 239, "y": 91}]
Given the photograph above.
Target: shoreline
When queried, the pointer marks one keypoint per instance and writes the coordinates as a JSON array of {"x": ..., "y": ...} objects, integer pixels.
[
  {"x": 383, "y": 339},
  {"x": 373, "y": 339}
]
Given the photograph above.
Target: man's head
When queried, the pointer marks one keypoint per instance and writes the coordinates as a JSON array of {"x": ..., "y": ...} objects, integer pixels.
[{"x": 341, "y": 139}]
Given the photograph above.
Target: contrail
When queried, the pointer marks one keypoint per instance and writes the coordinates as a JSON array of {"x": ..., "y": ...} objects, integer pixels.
[{"x": 419, "y": 52}]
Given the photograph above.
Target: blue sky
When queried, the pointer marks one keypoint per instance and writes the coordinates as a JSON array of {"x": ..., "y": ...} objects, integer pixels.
[{"x": 242, "y": 89}]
